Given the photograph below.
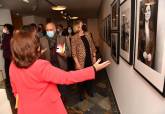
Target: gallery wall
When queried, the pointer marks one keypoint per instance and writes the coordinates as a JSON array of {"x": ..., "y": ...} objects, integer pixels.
[
  {"x": 134, "y": 95},
  {"x": 93, "y": 28},
  {"x": 33, "y": 19}
]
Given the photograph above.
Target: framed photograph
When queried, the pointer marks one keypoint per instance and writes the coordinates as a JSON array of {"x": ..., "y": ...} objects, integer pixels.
[
  {"x": 150, "y": 43},
  {"x": 115, "y": 46},
  {"x": 127, "y": 14},
  {"x": 105, "y": 32},
  {"x": 109, "y": 30},
  {"x": 106, "y": 29},
  {"x": 115, "y": 15}
]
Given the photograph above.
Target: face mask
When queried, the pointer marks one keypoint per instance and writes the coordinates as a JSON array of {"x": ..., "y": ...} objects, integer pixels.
[
  {"x": 69, "y": 30},
  {"x": 58, "y": 30},
  {"x": 4, "y": 31},
  {"x": 50, "y": 34}
]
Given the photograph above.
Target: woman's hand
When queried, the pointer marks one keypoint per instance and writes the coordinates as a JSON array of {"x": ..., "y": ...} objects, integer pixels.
[
  {"x": 99, "y": 66},
  {"x": 43, "y": 51}
]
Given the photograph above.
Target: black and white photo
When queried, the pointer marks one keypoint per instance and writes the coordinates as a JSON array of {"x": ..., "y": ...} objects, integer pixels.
[
  {"x": 149, "y": 51},
  {"x": 127, "y": 11}
]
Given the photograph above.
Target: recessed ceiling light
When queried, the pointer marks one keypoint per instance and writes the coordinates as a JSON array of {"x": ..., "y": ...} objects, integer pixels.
[
  {"x": 58, "y": 8},
  {"x": 27, "y": 1},
  {"x": 74, "y": 17},
  {"x": 62, "y": 12}
]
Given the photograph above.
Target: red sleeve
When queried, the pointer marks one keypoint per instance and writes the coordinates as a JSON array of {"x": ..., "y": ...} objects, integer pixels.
[
  {"x": 14, "y": 90},
  {"x": 58, "y": 76}
]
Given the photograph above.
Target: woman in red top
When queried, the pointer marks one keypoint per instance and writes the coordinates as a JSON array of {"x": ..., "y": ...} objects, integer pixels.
[{"x": 34, "y": 80}]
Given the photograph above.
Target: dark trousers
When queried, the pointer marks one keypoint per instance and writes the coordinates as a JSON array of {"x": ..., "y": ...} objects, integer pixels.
[
  {"x": 70, "y": 63},
  {"x": 86, "y": 86},
  {"x": 7, "y": 65}
]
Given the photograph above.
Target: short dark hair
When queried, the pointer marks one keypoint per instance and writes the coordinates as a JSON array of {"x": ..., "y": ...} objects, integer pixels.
[
  {"x": 84, "y": 28},
  {"x": 9, "y": 27},
  {"x": 26, "y": 28},
  {"x": 25, "y": 48}
]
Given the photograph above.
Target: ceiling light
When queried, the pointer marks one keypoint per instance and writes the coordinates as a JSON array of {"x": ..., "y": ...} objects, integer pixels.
[
  {"x": 62, "y": 12},
  {"x": 27, "y": 1},
  {"x": 58, "y": 8},
  {"x": 74, "y": 17}
]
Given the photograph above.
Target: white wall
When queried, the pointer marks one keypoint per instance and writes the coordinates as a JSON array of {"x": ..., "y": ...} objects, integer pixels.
[
  {"x": 134, "y": 95},
  {"x": 5, "y": 17},
  {"x": 28, "y": 20},
  {"x": 93, "y": 28},
  {"x": 33, "y": 19}
]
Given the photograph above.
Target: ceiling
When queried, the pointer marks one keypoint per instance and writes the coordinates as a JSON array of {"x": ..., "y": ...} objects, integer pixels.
[{"x": 80, "y": 8}]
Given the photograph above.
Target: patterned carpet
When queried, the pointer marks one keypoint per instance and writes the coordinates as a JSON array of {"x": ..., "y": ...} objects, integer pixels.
[{"x": 103, "y": 101}]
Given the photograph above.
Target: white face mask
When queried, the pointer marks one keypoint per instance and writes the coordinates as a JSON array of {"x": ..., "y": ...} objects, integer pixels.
[
  {"x": 69, "y": 30},
  {"x": 4, "y": 31},
  {"x": 148, "y": 13}
]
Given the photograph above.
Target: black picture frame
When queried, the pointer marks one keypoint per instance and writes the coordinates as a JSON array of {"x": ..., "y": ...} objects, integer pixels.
[
  {"x": 127, "y": 20},
  {"x": 149, "y": 61},
  {"x": 105, "y": 31},
  {"x": 109, "y": 30},
  {"x": 115, "y": 18},
  {"x": 115, "y": 46}
]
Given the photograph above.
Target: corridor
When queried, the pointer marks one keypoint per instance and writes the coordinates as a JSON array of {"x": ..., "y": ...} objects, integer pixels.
[{"x": 82, "y": 57}]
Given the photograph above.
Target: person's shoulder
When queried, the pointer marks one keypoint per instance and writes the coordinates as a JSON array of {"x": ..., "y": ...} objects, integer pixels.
[
  {"x": 41, "y": 62},
  {"x": 43, "y": 39},
  {"x": 12, "y": 65}
]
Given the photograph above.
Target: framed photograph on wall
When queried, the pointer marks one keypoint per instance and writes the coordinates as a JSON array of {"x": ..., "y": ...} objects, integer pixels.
[
  {"x": 106, "y": 26},
  {"x": 109, "y": 30},
  {"x": 150, "y": 43},
  {"x": 127, "y": 14},
  {"x": 105, "y": 32},
  {"x": 115, "y": 15},
  {"x": 115, "y": 46}
]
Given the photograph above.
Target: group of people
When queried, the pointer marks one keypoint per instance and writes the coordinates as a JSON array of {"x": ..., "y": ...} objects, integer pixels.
[{"x": 36, "y": 56}]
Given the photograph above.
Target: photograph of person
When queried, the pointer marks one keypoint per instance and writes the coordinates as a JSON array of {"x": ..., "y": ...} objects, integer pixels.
[
  {"x": 147, "y": 32},
  {"x": 109, "y": 30},
  {"x": 125, "y": 35},
  {"x": 114, "y": 47},
  {"x": 115, "y": 15}
]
